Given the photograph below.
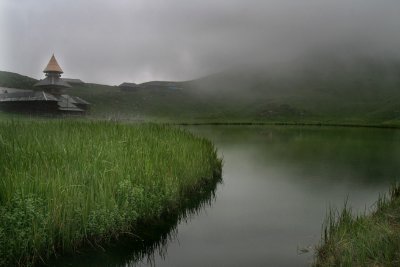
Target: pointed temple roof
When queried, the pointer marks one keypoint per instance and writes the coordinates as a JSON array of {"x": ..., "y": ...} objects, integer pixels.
[{"x": 53, "y": 66}]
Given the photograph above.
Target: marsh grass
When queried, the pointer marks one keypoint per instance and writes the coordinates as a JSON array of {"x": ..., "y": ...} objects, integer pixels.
[
  {"x": 363, "y": 240},
  {"x": 67, "y": 183},
  {"x": 151, "y": 238}
]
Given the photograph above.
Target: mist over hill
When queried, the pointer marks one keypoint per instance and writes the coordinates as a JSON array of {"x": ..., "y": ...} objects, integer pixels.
[{"x": 322, "y": 88}]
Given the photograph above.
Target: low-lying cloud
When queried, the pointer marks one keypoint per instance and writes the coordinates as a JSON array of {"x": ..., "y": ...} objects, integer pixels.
[{"x": 123, "y": 40}]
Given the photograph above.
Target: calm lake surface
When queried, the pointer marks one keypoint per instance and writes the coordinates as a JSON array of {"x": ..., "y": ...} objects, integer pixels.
[{"x": 277, "y": 185}]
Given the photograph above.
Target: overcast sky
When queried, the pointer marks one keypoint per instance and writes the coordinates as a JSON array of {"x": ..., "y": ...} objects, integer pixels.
[{"x": 110, "y": 42}]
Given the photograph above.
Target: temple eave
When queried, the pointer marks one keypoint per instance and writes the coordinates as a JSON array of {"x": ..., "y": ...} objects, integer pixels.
[{"x": 52, "y": 83}]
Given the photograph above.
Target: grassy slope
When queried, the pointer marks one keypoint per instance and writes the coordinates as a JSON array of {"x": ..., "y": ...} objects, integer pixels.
[
  {"x": 360, "y": 91},
  {"x": 66, "y": 182},
  {"x": 364, "y": 240},
  {"x": 363, "y": 92},
  {"x": 14, "y": 80}
]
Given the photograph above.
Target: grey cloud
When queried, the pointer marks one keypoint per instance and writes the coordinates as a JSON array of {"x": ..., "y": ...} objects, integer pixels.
[{"x": 114, "y": 41}]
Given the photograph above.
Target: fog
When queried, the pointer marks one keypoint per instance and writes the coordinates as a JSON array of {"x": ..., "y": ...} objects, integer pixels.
[{"x": 114, "y": 41}]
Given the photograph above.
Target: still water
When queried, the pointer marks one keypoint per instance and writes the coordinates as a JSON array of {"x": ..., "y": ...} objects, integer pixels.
[{"x": 277, "y": 185}]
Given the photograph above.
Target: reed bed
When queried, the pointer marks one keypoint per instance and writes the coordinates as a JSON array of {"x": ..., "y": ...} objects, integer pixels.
[
  {"x": 67, "y": 183},
  {"x": 363, "y": 240}
]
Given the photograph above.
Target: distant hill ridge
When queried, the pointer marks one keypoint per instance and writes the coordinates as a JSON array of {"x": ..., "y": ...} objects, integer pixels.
[
  {"x": 329, "y": 90},
  {"x": 15, "y": 80},
  {"x": 127, "y": 86}
]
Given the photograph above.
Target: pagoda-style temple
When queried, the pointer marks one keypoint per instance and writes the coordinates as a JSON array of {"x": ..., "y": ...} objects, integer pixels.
[
  {"x": 53, "y": 83},
  {"x": 50, "y": 98}
]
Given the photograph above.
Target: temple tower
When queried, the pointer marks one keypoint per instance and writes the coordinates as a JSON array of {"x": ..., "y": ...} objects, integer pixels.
[{"x": 53, "y": 83}]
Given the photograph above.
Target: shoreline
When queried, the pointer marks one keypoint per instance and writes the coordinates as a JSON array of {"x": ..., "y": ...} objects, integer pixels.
[
  {"x": 93, "y": 182},
  {"x": 11, "y": 116},
  {"x": 144, "y": 242},
  {"x": 371, "y": 238},
  {"x": 393, "y": 127}
]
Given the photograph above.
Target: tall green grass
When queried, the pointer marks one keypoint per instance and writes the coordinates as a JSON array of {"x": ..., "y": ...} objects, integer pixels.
[
  {"x": 363, "y": 240},
  {"x": 65, "y": 183}
]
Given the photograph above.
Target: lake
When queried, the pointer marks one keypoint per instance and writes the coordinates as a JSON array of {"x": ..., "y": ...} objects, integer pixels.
[{"x": 278, "y": 183}]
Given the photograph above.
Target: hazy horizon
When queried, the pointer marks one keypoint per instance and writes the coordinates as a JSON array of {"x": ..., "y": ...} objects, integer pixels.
[{"x": 137, "y": 41}]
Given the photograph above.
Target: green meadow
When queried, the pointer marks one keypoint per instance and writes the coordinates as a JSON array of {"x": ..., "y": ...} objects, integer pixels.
[
  {"x": 316, "y": 90},
  {"x": 66, "y": 183}
]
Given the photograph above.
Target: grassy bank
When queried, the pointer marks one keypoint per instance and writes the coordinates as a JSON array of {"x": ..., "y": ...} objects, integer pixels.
[
  {"x": 364, "y": 240},
  {"x": 65, "y": 183}
]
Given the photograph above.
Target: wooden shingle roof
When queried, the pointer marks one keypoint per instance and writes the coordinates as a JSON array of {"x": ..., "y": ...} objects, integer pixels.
[
  {"x": 53, "y": 82},
  {"x": 53, "y": 66},
  {"x": 27, "y": 96}
]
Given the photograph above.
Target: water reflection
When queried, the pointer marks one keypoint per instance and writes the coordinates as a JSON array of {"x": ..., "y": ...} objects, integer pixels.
[
  {"x": 278, "y": 183},
  {"x": 155, "y": 235}
]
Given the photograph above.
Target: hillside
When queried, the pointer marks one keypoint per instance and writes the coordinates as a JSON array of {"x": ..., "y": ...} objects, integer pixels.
[
  {"x": 326, "y": 90},
  {"x": 15, "y": 80}
]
